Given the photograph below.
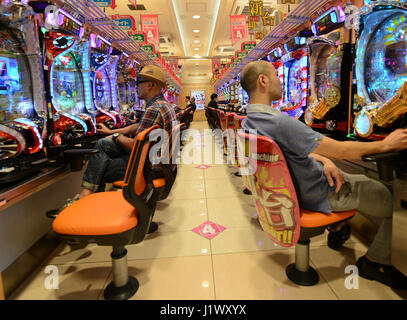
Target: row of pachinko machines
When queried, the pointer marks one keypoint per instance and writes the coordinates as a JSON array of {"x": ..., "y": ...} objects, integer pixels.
[
  {"x": 349, "y": 88},
  {"x": 57, "y": 82}
]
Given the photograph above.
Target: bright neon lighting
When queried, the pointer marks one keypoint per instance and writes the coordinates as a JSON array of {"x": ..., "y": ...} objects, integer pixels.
[
  {"x": 70, "y": 17},
  {"x": 215, "y": 17},
  {"x": 104, "y": 40}
]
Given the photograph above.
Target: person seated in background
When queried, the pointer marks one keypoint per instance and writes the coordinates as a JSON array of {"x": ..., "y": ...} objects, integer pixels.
[
  {"x": 187, "y": 101},
  {"x": 109, "y": 165},
  {"x": 192, "y": 104},
  {"x": 214, "y": 101},
  {"x": 322, "y": 186}
]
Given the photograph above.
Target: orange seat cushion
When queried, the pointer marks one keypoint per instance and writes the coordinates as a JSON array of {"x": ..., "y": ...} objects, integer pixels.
[
  {"x": 103, "y": 213},
  {"x": 158, "y": 183},
  {"x": 313, "y": 219}
]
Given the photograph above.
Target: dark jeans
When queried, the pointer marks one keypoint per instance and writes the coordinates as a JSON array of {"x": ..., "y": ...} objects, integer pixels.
[{"x": 107, "y": 166}]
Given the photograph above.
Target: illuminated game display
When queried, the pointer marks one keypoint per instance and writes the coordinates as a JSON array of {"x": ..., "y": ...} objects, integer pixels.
[
  {"x": 70, "y": 114},
  {"x": 275, "y": 58},
  {"x": 295, "y": 77},
  {"x": 330, "y": 65},
  {"x": 381, "y": 71},
  {"x": 104, "y": 69},
  {"x": 22, "y": 115}
]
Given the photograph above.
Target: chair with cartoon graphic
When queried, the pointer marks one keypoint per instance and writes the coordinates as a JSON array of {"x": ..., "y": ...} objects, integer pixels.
[
  {"x": 116, "y": 219},
  {"x": 281, "y": 217}
]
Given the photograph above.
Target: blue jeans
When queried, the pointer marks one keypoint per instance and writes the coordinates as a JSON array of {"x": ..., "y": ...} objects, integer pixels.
[{"x": 107, "y": 166}]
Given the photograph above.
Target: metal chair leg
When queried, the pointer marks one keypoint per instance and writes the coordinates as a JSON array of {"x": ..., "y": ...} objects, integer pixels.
[
  {"x": 300, "y": 272},
  {"x": 123, "y": 286}
]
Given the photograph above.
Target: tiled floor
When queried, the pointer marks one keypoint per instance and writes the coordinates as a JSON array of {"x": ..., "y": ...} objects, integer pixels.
[{"x": 176, "y": 263}]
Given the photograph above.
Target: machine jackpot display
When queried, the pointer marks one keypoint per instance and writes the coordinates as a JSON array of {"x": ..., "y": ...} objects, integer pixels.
[
  {"x": 295, "y": 77},
  {"x": 381, "y": 70},
  {"x": 330, "y": 66},
  {"x": 66, "y": 70},
  {"x": 22, "y": 102},
  {"x": 104, "y": 69},
  {"x": 275, "y": 58}
]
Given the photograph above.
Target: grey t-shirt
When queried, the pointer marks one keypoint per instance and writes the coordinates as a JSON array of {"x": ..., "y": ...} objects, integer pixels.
[{"x": 297, "y": 141}]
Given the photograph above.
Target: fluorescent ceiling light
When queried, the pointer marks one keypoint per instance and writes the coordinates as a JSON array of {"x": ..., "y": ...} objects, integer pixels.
[
  {"x": 215, "y": 16},
  {"x": 196, "y": 31},
  {"x": 196, "y": 41},
  {"x": 196, "y": 48},
  {"x": 174, "y": 3},
  {"x": 196, "y": 16}
]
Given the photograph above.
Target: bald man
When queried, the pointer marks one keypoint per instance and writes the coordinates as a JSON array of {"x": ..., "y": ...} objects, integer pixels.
[{"x": 322, "y": 186}]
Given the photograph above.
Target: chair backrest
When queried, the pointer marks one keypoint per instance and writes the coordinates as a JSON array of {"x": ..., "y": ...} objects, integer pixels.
[
  {"x": 267, "y": 175},
  {"x": 169, "y": 165},
  {"x": 138, "y": 188},
  {"x": 222, "y": 118},
  {"x": 230, "y": 120}
]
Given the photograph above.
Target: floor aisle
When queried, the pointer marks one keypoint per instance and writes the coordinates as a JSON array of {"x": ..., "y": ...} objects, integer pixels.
[{"x": 176, "y": 263}]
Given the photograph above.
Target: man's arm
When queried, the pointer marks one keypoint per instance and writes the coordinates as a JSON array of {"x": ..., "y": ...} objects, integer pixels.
[
  {"x": 125, "y": 142},
  {"x": 396, "y": 141},
  {"x": 126, "y": 130},
  {"x": 333, "y": 175}
]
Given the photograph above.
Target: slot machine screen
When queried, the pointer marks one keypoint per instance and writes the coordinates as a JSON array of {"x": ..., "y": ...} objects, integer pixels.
[
  {"x": 294, "y": 93},
  {"x": 103, "y": 93},
  {"x": 321, "y": 71},
  {"x": 385, "y": 58},
  {"x": 16, "y": 97},
  {"x": 334, "y": 68},
  {"x": 122, "y": 88},
  {"x": 133, "y": 98},
  {"x": 67, "y": 83}
]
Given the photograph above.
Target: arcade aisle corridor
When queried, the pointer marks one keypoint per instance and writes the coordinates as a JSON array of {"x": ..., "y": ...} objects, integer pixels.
[{"x": 240, "y": 262}]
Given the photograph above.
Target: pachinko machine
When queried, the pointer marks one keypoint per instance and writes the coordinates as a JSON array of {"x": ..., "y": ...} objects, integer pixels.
[{"x": 330, "y": 67}]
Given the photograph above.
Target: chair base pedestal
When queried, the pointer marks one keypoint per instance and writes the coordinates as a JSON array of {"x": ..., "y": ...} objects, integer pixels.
[
  {"x": 308, "y": 278},
  {"x": 121, "y": 293}
]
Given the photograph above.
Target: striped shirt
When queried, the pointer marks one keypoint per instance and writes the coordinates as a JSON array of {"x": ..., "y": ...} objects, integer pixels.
[{"x": 158, "y": 111}]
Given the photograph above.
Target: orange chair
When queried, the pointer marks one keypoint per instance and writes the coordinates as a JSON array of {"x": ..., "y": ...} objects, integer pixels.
[
  {"x": 116, "y": 218},
  {"x": 164, "y": 180},
  {"x": 279, "y": 212},
  {"x": 168, "y": 162}
]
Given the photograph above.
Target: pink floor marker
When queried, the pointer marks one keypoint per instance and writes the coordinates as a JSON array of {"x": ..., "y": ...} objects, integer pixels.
[
  {"x": 203, "y": 167},
  {"x": 209, "y": 229}
]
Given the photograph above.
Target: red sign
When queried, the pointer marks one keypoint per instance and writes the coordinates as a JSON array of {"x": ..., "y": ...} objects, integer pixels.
[
  {"x": 149, "y": 24},
  {"x": 134, "y": 3},
  {"x": 238, "y": 28}
]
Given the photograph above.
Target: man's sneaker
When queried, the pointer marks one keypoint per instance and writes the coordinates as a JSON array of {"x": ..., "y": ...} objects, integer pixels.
[
  {"x": 385, "y": 274},
  {"x": 55, "y": 212},
  {"x": 337, "y": 238}
]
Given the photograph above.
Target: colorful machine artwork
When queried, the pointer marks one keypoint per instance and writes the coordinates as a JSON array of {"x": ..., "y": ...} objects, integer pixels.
[
  {"x": 295, "y": 82},
  {"x": 22, "y": 122},
  {"x": 330, "y": 60},
  {"x": 381, "y": 71}
]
